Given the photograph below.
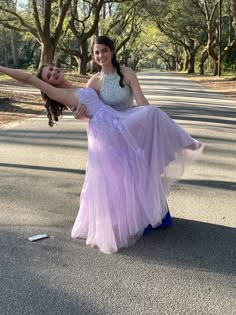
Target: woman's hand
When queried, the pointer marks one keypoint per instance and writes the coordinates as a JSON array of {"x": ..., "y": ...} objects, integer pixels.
[{"x": 81, "y": 112}]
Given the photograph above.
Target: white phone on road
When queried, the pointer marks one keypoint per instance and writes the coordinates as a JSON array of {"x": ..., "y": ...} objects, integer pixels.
[{"x": 37, "y": 237}]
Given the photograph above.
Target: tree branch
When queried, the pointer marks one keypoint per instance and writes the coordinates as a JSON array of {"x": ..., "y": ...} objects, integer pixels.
[
  {"x": 12, "y": 27},
  {"x": 47, "y": 17},
  {"x": 37, "y": 21},
  {"x": 61, "y": 18},
  {"x": 22, "y": 22}
]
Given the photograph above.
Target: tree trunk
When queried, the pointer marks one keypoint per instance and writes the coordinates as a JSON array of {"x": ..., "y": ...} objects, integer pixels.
[
  {"x": 191, "y": 52},
  {"x": 168, "y": 66},
  {"x": 47, "y": 54},
  {"x": 186, "y": 62},
  {"x": 83, "y": 65},
  {"x": 215, "y": 67},
  {"x": 201, "y": 68},
  {"x": 191, "y": 65},
  {"x": 77, "y": 59},
  {"x": 204, "y": 57},
  {"x": 180, "y": 66},
  {"x": 5, "y": 51},
  {"x": 14, "y": 49},
  {"x": 173, "y": 64},
  {"x": 84, "y": 57}
]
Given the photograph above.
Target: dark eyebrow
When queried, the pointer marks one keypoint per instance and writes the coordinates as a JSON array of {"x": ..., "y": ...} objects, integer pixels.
[{"x": 103, "y": 49}]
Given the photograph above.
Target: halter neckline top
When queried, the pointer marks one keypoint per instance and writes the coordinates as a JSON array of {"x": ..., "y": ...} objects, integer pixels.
[
  {"x": 112, "y": 94},
  {"x": 110, "y": 76}
]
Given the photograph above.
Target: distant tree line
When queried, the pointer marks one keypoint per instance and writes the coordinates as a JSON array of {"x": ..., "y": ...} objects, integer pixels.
[{"x": 190, "y": 35}]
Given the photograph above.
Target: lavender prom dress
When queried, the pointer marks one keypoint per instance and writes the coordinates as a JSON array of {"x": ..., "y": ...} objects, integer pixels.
[
  {"x": 121, "y": 99},
  {"x": 133, "y": 159}
]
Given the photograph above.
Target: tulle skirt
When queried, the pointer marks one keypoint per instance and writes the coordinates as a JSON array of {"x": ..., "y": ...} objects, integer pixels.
[{"x": 133, "y": 159}]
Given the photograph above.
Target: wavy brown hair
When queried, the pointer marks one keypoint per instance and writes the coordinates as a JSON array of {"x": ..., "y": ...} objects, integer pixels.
[
  {"x": 104, "y": 40},
  {"x": 54, "y": 108}
]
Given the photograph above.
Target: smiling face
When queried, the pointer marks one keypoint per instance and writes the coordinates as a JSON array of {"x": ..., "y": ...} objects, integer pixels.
[
  {"x": 52, "y": 75},
  {"x": 102, "y": 55}
]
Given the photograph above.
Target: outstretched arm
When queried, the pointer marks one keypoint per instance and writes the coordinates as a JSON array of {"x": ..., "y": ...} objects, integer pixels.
[{"x": 61, "y": 95}]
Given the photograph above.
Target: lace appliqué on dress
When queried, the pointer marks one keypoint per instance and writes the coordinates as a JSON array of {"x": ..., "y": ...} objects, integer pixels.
[
  {"x": 102, "y": 127},
  {"x": 105, "y": 125}
]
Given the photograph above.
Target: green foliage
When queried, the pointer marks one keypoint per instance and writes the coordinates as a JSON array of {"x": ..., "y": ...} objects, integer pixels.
[
  {"x": 153, "y": 32},
  {"x": 230, "y": 60},
  {"x": 31, "y": 69},
  {"x": 180, "y": 20}
]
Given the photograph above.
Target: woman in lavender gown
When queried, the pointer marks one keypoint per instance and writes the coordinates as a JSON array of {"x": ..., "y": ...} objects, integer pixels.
[{"x": 133, "y": 159}]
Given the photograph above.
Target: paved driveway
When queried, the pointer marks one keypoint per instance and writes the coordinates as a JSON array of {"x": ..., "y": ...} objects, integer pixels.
[{"x": 187, "y": 269}]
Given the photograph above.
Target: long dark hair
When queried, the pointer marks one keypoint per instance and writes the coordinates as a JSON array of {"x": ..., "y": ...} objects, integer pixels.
[
  {"x": 104, "y": 40},
  {"x": 54, "y": 109}
]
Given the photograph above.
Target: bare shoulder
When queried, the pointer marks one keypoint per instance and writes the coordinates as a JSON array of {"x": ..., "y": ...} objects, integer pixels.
[
  {"x": 128, "y": 74},
  {"x": 95, "y": 82},
  {"x": 95, "y": 76},
  {"x": 126, "y": 70}
]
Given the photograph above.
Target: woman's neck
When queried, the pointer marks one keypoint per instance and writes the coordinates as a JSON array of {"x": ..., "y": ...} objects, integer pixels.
[{"x": 109, "y": 70}]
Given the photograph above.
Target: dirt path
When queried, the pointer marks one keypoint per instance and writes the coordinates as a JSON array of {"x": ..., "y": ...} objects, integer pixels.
[
  {"x": 19, "y": 101},
  {"x": 223, "y": 84}
]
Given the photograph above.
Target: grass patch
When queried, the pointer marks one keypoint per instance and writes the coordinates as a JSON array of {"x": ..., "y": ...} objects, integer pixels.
[{"x": 4, "y": 77}]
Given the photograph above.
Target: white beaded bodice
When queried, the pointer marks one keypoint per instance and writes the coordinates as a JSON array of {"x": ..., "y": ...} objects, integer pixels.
[{"x": 112, "y": 94}]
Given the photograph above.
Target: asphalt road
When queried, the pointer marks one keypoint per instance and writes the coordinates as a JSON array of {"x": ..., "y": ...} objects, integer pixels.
[{"x": 186, "y": 269}]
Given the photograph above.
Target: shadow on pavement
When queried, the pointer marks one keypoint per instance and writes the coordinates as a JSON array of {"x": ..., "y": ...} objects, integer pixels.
[
  {"x": 42, "y": 168},
  {"x": 25, "y": 288},
  {"x": 216, "y": 184},
  {"x": 191, "y": 245}
]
